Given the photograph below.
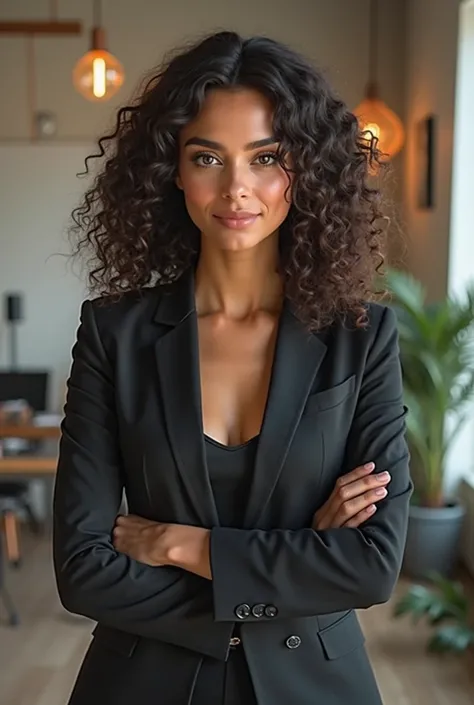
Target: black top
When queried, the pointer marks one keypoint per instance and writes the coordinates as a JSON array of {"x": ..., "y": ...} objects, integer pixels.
[{"x": 230, "y": 471}]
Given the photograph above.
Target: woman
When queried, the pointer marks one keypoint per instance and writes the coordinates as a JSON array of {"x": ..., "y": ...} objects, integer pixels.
[{"x": 234, "y": 381}]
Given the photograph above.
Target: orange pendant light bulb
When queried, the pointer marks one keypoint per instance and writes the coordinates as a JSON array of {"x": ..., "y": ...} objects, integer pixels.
[
  {"x": 377, "y": 118},
  {"x": 98, "y": 74},
  {"x": 374, "y": 116}
]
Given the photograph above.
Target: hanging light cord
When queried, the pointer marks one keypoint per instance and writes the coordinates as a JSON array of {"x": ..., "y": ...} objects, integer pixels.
[
  {"x": 97, "y": 13},
  {"x": 373, "y": 53}
]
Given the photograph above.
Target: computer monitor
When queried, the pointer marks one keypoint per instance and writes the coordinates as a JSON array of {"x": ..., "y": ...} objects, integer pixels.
[{"x": 31, "y": 386}]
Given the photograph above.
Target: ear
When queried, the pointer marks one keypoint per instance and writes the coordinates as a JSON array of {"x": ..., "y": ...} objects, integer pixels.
[{"x": 178, "y": 182}]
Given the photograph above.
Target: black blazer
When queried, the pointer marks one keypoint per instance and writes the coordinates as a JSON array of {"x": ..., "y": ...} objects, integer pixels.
[{"x": 133, "y": 422}]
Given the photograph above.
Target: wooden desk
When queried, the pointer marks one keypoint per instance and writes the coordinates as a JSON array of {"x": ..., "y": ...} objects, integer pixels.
[
  {"x": 39, "y": 464},
  {"x": 33, "y": 433}
]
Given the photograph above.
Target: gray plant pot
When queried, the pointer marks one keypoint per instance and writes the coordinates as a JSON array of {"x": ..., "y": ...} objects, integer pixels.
[{"x": 433, "y": 540}]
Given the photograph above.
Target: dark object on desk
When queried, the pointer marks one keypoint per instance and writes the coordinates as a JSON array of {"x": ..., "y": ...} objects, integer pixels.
[
  {"x": 13, "y": 315},
  {"x": 32, "y": 386}
]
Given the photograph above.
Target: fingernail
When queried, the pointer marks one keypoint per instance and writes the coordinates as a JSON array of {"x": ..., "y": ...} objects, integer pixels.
[
  {"x": 381, "y": 492},
  {"x": 369, "y": 466},
  {"x": 371, "y": 509},
  {"x": 383, "y": 476}
]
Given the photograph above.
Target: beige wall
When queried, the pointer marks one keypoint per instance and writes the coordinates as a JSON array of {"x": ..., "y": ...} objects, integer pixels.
[
  {"x": 432, "y": 45},
  {"x": 38, "y": 183},
  {"x": 440, "y": 250},
  {"x": 140, "y": 31}
]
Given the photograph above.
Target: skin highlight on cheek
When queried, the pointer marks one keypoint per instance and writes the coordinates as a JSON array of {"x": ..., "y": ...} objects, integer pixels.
[{"x": 235, "y": 188}]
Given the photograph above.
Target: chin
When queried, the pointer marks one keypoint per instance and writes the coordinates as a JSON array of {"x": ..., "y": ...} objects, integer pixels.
[{"x": 235, "y": 242}]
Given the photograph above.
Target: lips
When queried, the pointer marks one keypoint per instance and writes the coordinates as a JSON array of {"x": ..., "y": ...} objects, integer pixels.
[
  {"x": 237, "y": 220},
  {"x": 236, "y": 215}
]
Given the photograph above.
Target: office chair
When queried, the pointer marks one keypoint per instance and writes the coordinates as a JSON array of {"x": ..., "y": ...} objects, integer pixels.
[{"x": 32, "y": 387}]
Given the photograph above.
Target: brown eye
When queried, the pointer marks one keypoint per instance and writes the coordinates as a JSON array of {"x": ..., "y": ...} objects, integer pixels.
[
  {"x": 267, "y": 159},
  {"x": 204, "y": 159}
]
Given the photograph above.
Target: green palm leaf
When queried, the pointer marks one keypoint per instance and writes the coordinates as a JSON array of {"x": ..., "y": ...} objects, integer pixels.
[
  {"x": 453, "y": 637},
  {"x": 445, "y": 607},
  {"x": 437, "y": 357}
]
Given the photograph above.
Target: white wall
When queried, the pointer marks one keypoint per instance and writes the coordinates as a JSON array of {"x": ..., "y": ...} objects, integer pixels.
[
  {"x": 38, "y": 189},
  {"x": 461, "y": 244}
]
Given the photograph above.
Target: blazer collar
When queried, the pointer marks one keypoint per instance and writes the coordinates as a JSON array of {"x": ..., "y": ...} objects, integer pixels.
[
  {"x": 176, "y": 301},
  {"x": 298, "y": 356}
]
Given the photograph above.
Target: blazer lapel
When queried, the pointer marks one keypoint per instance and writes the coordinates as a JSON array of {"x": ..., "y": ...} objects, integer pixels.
[
  {"x": 177, "y": 358},
  {"x": 298, "y": 355}
]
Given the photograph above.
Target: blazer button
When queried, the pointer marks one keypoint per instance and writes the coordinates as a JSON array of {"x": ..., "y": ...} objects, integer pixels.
[
  {"x": 293, "y": 642},
  {"x": 271, "y": 611},
  {"x": 258, "y": 610},
  {"x": 242, "y": 611}
]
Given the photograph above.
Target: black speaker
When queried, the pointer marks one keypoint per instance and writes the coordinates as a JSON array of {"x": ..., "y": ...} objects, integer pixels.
[{"x": 14, "y": 307}]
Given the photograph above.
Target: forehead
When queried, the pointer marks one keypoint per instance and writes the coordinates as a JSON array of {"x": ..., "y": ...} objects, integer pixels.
[{"x": 232, "y": 117}]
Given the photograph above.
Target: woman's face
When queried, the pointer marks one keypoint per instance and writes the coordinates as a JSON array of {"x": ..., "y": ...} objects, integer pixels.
[{"x": 235, "y": 190}]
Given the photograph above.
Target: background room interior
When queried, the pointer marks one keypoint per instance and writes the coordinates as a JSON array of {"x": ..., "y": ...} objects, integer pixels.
[{"x": 424, "y": 69}]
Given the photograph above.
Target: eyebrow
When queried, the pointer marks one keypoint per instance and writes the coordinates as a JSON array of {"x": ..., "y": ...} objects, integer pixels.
[{"x": 200, "y": 142}]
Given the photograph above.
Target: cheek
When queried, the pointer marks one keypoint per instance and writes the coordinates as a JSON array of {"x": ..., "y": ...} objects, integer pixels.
[
  {"x": 274, "y": 191},
  {"x": 199, "y": 187}
]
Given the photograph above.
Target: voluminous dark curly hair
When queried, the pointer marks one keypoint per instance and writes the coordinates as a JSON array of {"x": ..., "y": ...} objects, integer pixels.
[{"x": 134, "y": 221}]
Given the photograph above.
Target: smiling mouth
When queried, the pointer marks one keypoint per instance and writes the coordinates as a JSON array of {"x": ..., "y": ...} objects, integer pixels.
[{"x": 237, "y": 221}]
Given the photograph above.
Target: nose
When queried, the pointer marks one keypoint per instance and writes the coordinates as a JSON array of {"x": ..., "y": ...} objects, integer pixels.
[{"x": 235, "y": 183}]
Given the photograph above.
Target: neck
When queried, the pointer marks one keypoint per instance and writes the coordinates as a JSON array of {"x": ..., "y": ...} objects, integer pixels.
[{"x": 239, "y": 284}]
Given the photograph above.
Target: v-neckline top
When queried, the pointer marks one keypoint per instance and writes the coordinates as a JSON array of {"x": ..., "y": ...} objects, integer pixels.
[
  {"x": 230, "y": 471},
  {"x": 230, "y": 448}
]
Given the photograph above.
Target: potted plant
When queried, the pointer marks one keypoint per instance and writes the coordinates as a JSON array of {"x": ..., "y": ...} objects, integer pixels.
[
  {"x": 446, "y": 608},
  {"x": 437, "y": 357}
]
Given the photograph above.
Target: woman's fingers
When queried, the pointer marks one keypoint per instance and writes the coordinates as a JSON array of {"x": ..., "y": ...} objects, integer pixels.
[
  {"x": 353, "y": 493},
  {"x": 356, "y": 474},
  {"x": 361, "y": 516},
  {"x": 328, "y": 511},
  {"x": 349, "y": 509},
  {"x": 348, "y": 491}
]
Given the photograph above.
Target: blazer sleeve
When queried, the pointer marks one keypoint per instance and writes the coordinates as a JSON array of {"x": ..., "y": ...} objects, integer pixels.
[
  {"x": 307, "y": 572},
  {"x": 93, "y": 579}
]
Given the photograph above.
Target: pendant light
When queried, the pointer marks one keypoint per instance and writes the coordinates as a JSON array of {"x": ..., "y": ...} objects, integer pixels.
[
  {"x": 373, "y": 114},
  {"x": 98, "y": 75}
]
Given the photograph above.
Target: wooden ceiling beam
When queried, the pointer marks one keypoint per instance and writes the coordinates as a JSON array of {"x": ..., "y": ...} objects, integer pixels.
[{"x": 41, "y": 27}]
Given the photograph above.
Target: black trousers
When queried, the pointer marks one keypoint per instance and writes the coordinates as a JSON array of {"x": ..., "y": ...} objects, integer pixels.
[{"x": 224, "y": 683}]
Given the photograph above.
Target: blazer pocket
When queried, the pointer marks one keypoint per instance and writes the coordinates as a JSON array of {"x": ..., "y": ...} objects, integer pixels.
[
  {"x": 121, "y": 642},
  {"x": 328, "y": 398},
  {"x": 342, "y": 637}
]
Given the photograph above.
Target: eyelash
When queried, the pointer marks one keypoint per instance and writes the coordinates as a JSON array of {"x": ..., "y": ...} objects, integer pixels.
[{"x": 200, "y": 155}]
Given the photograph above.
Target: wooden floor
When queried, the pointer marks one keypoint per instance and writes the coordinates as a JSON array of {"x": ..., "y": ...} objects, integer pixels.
[{"x": 39, "y": 659}]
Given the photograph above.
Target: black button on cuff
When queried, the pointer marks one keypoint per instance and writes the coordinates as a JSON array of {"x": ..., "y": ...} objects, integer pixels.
[
  {"x": 258, "y": 610},
  {"x": 271, "y": 611},
  {"x": 242, "y": 611},
  {"x": 293, "y": 641}
]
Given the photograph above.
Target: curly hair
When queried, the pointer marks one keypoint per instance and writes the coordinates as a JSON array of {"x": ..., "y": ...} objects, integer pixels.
[{"x": 133, "y": 219}]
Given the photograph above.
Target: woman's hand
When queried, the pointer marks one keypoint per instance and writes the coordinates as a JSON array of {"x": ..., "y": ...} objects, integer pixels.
[
  {"x": 353, "y": 499},
  {"x": 141, "y": 539},
  {"x": 157, "y": 544}
]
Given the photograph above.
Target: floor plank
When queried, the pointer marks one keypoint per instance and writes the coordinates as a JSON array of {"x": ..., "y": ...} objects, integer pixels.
[{"x": 40, "y": 658}]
